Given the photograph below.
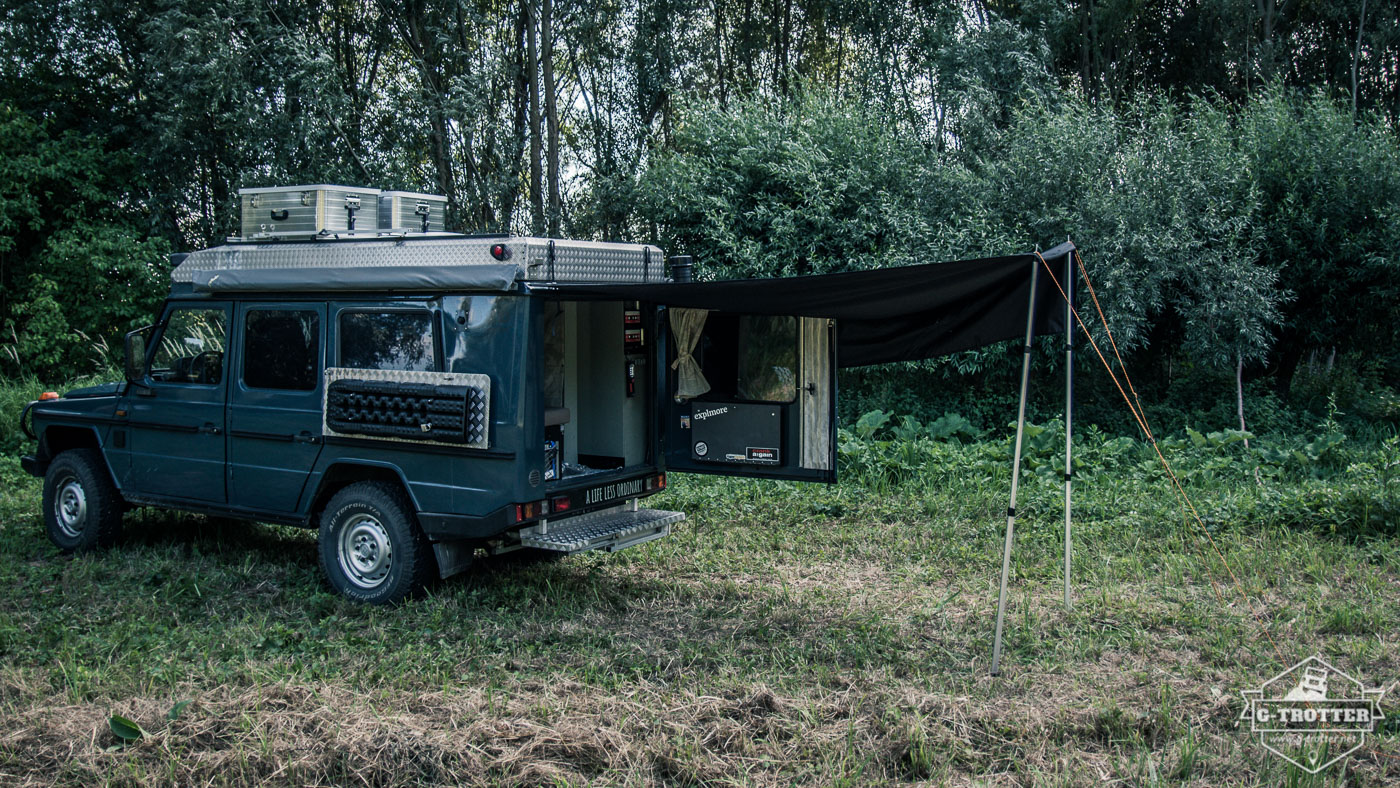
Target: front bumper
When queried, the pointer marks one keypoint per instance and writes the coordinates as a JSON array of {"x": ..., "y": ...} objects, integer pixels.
[{"x": 32, "y": 466}]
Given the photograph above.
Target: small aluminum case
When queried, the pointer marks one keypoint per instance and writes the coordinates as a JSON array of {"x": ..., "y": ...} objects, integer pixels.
[
  {"x": 412, "y": 212},
  {"x": 308, "y": 211}
]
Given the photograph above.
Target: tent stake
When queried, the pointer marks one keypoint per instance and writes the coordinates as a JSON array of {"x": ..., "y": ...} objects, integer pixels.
[
  {"x": 1015, "y": 469},
  {"x": 1069, "y": 408}
]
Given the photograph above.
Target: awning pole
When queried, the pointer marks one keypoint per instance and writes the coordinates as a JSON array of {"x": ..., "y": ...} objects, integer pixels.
[
  {"x": 1069, "y": 408},
  {"x": 1015, "y": 469}
]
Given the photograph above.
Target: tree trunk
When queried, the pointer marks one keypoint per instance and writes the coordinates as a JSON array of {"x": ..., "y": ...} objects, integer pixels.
[
  {"x": 1356, "y": 58},
  {"x": 551, "y": 111},
  {"x": 719, "y": 56},
  {"x": 1292, "y": 353},
  {"x": 533, "y": 74},
  {"x": 1085, "y": 77},
  {"x": 784, "y": 47},
  {"x": 840, "y": 56},
  {"x": 1269, "y": 12},
  {"x": 1239, "y": 395},
  {"x": 439, "y": 141},
  {"x": 1239, "y": 406},
  {"x": 522, "y": 87},
  {"x": 748, "y": 51}
]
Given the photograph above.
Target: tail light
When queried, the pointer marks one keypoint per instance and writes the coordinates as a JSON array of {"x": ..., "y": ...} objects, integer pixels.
[
  {"x": 500, "y": 251},
  {"x": 528, "y": 511}
]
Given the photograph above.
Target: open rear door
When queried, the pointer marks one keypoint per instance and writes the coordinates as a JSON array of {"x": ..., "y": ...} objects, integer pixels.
[{"x": 750, "y": 395}]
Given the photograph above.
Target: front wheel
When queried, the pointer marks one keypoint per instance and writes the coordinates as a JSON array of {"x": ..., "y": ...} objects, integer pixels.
[
  {"x": 82, "y": 508},
  {"x": 372, "y": 550}
]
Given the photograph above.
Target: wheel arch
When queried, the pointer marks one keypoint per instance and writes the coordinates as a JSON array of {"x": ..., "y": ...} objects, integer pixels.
[
  {"x": 344, "y": 473},
  {"x": 58, "y": 438}
]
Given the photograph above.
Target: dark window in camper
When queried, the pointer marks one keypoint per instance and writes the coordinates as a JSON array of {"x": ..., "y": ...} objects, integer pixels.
[
  {"x": 750, "y": 358},
  {"x": 280, "y": 348},
  {"x": 387, "y": 340}
]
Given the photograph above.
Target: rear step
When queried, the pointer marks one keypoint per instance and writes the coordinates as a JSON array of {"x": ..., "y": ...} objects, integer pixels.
[{"x": 610, "y": 530}]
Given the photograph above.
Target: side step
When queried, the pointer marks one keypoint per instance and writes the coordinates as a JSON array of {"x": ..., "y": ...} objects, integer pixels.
[{"x": 610, "y": 530}]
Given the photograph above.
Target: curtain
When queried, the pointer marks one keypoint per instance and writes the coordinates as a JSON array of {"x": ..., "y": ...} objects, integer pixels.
[{"x": 686, "y": 325}]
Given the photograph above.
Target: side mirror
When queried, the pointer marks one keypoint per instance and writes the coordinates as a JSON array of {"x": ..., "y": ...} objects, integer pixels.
[{"x": 135, "y": 366}]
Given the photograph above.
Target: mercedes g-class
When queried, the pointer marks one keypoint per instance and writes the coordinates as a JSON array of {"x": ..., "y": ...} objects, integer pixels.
[{"x": 422, "y": 397}]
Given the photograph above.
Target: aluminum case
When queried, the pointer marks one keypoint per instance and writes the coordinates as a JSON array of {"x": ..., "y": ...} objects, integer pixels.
[
  {"x": 308, "y": 211},
  {"x": 411, "y": 212}
]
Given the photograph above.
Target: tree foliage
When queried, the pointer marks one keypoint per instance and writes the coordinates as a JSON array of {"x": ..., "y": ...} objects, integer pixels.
[
  {"x": 1229, "y": 167},
  {"x": 74, "y": 272}
]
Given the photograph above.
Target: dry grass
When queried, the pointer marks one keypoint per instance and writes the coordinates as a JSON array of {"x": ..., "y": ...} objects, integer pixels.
[
  {"x": 873, "y": 730},
  {"x": 761, "y": 645}
]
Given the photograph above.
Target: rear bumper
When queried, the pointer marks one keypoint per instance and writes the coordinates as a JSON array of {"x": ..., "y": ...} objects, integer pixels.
[
  {"x": 589, "y": 494},
  {"x": 32, "y": 466},
  {"x": 599, "y": 491}
]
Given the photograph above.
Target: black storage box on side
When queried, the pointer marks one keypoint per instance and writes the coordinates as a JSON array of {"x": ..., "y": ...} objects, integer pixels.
[{"x": 743, "y": 433}]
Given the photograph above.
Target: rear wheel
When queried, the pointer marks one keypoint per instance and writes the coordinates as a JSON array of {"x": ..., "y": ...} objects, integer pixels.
[
  {"x": 82, "y": 508},
  {"x": 372, "y": 549}
]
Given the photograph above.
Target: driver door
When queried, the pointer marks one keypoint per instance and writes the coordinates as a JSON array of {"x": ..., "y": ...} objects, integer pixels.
[{"x": 177, "y": 417}]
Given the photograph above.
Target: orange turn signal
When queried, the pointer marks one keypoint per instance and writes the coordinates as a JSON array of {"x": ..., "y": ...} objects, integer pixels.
[{"x": 48, "y": 395}]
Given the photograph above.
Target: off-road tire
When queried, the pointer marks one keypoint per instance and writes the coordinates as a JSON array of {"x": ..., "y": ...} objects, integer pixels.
[
  {"x": 82, "y": 507},
  {"x": 372, "y": 549}
]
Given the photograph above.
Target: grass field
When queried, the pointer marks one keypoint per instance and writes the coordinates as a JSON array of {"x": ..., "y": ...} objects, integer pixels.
[{"x": 786, "y": 634}]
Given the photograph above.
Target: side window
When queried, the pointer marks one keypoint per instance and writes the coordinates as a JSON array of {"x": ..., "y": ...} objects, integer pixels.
[
  {"x": 387, "y": 340},
  {"x": 191, "y": 348},
  {"x": 767, "y": 358},
  {"x": 749, "y": 358},
  {"x": 280, "y": 349}
]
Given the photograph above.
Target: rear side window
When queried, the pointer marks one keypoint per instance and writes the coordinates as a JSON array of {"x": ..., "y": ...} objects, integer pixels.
[
  {"x": 280, "y": 348},
  {"x": 387, "y": 340}
]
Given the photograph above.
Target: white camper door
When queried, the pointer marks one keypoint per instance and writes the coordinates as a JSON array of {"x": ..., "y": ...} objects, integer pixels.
[{"x": 816, "y": 399}]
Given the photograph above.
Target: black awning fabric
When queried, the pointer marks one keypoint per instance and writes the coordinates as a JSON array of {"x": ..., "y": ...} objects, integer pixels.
[{"x": 883, "y": 315}]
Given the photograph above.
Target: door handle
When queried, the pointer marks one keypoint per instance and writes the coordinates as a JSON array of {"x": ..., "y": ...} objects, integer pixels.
[
  {"x": 210, "y": 429},
  {"x": 306, "y": 437}
]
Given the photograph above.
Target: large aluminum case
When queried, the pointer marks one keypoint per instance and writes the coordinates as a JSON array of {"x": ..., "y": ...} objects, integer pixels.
[
  {"x": 412, "y": 212},
  {"x": 536, "y": 259},
  {"x": 308, "y": 211}
]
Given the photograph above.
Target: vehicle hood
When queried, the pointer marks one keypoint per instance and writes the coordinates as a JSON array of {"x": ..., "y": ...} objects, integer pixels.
[{"x": 100, "y": 390}]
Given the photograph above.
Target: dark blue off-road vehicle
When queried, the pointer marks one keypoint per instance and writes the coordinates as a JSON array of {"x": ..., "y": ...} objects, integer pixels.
[{"x": 423, "y": 397}]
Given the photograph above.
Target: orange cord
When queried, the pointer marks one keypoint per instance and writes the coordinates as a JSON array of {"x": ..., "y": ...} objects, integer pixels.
[
  {"x": 1142, "y": 422},
  {"x": 1084, "y": 272}
]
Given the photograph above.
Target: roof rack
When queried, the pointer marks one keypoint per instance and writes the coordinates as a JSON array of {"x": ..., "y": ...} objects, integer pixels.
[{"x": 415, "y": 261}]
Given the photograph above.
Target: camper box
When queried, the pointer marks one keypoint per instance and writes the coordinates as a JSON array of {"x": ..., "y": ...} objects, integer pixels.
[
  {"x": 308, "y": 211},
  {"x": 412, "y": 212}
]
